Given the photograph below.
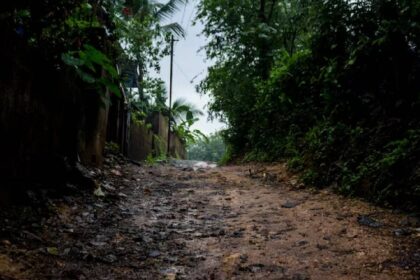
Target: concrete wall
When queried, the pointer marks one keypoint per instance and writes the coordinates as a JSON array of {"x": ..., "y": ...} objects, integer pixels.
[
  {"x": 177, "y": 148},
  {"x": 47, "y": 116},
  {"x": 153, "y": 141},
  {"x": 140, "y": 142},
  {"x": 118, "y": 123},
  {"x": 160, "y": 126},
  {"x": 92, "y": 136}
]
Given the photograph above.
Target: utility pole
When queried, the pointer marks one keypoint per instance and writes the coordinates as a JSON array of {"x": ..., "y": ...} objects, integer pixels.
[{"x": 170, "y": 97}]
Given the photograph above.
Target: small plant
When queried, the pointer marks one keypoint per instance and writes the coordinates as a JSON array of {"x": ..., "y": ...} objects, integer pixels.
[
  {"x": 112, "y": 147},
  {"x": 296, "y": 163},
  {"x": 152, "y": 160},
  {"x": 309, "y": 177}
]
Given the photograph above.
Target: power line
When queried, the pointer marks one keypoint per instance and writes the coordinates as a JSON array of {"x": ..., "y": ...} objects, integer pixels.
[
  {"x": 182, "y": 72},
  {"x": 189, "y": 23},
  {"x": 183, "y": 13},
  {"x": 196, "y": 76}
]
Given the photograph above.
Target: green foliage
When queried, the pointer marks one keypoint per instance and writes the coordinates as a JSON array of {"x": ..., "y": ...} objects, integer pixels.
[
  {"x": 331, "y": 85},
  {"x": 183, "y": 116},
  {"x": 152, "y": 160},
  {"x": 152, "y": 98},
  {"x": 89, "y": 64},
  {"x": 112, "y": 147},
  {"x": 211, "y": 149},
  {"x": 91, "y": 36},
  {"x": 160, "y": 147}
]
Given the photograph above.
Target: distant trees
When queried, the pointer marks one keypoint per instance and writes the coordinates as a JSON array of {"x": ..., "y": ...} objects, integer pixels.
[
  {"x": 331, "y": 85},
  {"x": 211, "y": 149}
]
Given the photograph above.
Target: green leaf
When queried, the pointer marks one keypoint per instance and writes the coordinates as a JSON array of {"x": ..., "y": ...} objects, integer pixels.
[
  {"x": 88, "y": 78},
  {"x": 190, "y": 116},
  {"x": 53, "y": 251},
  {"x": 113, "y": 87},
  {"x": 70, "y": 60}
]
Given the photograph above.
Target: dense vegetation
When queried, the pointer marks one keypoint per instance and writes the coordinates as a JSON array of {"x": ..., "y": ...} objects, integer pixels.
[
  {"x": 86, "y": 34},
  {"x": 105, "y": 44},
  {"x": 333, "y": 86},
  {"x": 211, "y": 148}
]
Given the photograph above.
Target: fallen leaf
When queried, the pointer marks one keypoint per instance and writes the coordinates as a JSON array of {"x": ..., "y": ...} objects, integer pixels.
[
  {"x": 52, "y": 251},
  {"x": 99, "y": 193},
  {"x": 170, "y": 276},
  {"x": 116, "y": 172}
]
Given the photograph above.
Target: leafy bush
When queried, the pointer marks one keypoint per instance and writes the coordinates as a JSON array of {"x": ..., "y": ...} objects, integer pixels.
[{"x": 331, "y": 85}]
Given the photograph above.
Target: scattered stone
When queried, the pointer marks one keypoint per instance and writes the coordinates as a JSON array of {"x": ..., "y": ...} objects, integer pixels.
[
  {"x": 255, "y": 268},
  {"x": 289, "y": 204},
  {"x": 32, "y": 236},
  {"x": 321, "y": 246},
  {"x": 302, "y": 243},
  {"x": 154, "y": 254},
  {"x": 108, "y": 187},
  {"x": 369, "y": 222},
  {"x": 243, "y": 258},
  {"x": 122, "y": 195},
  {"x": 110, "y": 258},
  {"x": 402, "y": 232},
  {"x": 6, "y": 243},
  {"x": 300, "y": 186},
  {"x": 237, "y": 234},
  {"x": 116, "y": 172},
  {"x": 97, "y": 243},
  {"x": 135, "y": 243}
]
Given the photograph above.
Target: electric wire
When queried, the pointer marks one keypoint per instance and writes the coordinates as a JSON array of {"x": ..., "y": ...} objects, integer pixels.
[
  {"x": 189, "y": 23},
  {"x": 182, "y": 72},
  {"x": 183, "y": 13}
]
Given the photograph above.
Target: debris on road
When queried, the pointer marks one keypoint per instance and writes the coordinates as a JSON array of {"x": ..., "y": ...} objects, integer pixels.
[{"x": 174, "y": 222}]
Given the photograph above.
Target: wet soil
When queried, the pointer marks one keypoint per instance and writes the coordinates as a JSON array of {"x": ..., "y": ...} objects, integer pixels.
[{"x": 179, "y": 222}]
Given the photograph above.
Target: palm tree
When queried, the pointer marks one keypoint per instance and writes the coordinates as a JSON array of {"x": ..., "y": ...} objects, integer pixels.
[
  {"x": 183, "y": 111},
  {"x": 159, "y": 11},
  {"x": 183, "y": 116},
  {"x": 138, "y": 19}
]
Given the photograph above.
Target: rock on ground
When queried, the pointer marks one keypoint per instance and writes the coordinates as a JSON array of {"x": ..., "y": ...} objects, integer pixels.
[{"x": 177, "y": 222}]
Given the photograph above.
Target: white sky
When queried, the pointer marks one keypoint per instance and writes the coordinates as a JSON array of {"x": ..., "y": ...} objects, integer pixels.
[{"x": 189, "y": 63}]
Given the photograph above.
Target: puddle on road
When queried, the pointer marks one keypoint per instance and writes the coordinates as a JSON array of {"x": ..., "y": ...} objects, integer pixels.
[{"x": 193, "y": 164}]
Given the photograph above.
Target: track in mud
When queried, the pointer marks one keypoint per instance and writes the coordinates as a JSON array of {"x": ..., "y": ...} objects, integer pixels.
[{"x": 174, "y": 222}]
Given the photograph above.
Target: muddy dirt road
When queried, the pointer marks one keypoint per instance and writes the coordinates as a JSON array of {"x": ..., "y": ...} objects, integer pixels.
[{"x": 174, "y": 222}]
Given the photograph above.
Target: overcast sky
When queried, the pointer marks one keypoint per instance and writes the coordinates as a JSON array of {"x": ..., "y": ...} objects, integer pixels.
[{"x": 189, "y": 63}]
